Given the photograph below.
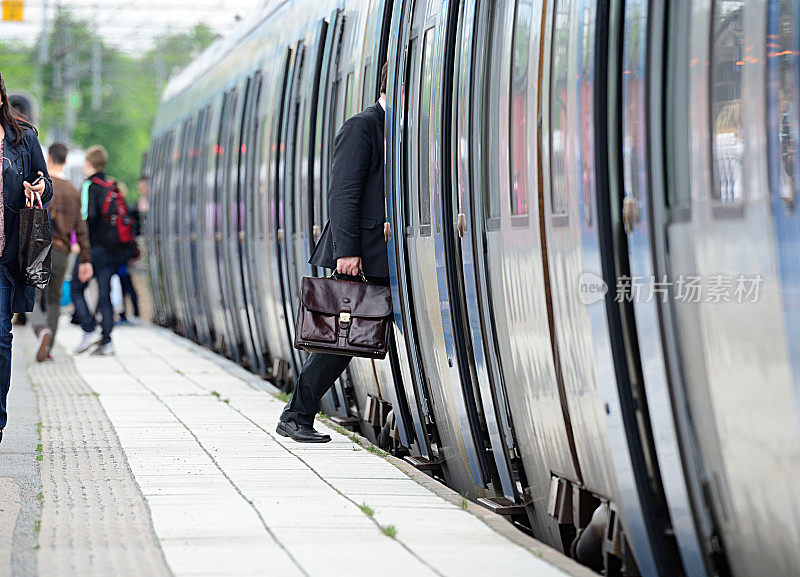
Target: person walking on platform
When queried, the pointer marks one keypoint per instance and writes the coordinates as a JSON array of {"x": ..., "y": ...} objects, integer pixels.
[
  {"x": 66, "y": 219},
  {"x": 352, "y": 244},
  {"x": 23, "y": 175},
  {"x": 110, "y": 234}
]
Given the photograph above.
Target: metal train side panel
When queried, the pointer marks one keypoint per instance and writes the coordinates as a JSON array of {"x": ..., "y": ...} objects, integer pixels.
[
  {"x": 512, "y": 270},
  {"x": 731, "y": 335},
  {"x": 468, "y": 222},
  {"x": 572, "y": 221},
  {"x": 783, "y": 136},
  {"x": 403, "y": 335},
  {"x": 420, "y": 283}
]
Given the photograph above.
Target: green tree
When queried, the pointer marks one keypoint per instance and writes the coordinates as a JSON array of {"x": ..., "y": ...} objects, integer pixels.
[{"x": 131, "y": 87}]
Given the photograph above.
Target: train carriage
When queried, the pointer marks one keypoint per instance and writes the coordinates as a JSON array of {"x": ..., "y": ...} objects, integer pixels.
[{"x": 559, "y": 175}]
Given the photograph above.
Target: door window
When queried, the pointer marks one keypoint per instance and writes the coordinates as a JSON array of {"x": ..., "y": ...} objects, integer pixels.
[
  {"x": 728, "y": 59},
  {"x": 518, "y": 144},
  {"x": 425, "y": 104}
]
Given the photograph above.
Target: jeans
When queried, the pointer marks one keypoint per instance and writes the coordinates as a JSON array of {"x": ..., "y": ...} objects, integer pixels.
[
  {"x": 105, "y": 266},
  {"x": 6, "y": 292},
  {"x": 319, "y": 373},
  {"x": 48, "y": 302},
  {"x": 126, "y": 283}
]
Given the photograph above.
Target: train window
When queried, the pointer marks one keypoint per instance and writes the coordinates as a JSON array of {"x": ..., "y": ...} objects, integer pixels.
[
  {"x": 783, "y": 51},
  {"x": 334, "y": 122},
  {"x": 560, "y": 123},
  {"x": 348, "y": 111},
  {"x": 425, "y": 103},
  {"x": 369, "y": 88},
  {"x": 677, "y": 116},
  {"x": 519, "y": 141},
  {"x": 634, "y": 110},
  {"x": 490, "y": 141},
  {"x": 729, "y": 56},
  {"x": 407, "y": 127}
]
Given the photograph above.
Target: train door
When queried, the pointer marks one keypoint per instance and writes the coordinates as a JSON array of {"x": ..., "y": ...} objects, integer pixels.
[
  {"x": 478, "y": 366},
  {"x": 574, "y": 129},
  {"x": 377, "y": 384},
  {"x": 495, "y": 217},
  {"x": 155, "y": 223},
  {"x": 248, "y": 236},
  {"x": 329, "y": 120},
  {"x": 169, "y": 254},
  {"x": 207, "y": 231},
  {"x": 222, "y": 150},
  {"x": 182, "y": 191},
  {"x": 238, "y": 250},
  {"x": 199, "y": 158},
  {"x": 636, "y": 33},
  {"x": 725, "y": 236},
  {"x": 282, "y": 169},
  {"x": 321, "y": 98},
  {"x": 436, "y": 372},
  {"x": 232, "y": 211}
]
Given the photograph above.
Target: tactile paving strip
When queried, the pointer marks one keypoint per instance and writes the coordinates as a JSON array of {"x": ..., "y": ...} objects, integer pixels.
[{"x": 95, "y": 520}]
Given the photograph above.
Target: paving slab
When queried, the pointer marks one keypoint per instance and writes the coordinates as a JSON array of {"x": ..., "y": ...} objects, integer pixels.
[{"x": 216, "y": 492}]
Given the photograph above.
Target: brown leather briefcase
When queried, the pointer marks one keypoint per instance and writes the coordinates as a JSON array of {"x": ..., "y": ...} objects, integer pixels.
[{"x": 343, "y": 317}]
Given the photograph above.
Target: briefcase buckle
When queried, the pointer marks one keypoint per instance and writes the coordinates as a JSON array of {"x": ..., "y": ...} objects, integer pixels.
[{"x": 344, "y": 317}]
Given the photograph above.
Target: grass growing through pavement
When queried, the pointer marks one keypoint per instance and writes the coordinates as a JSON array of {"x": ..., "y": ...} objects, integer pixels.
[
  {"x": 366, "y": 509},
  {"x": 376, "y": 451},
  {"x": 215, "y": 393},
  {"x": 389, "y": 531},
  {"x": 464, "y": 503},
  {"x": 284, "y": 396}
]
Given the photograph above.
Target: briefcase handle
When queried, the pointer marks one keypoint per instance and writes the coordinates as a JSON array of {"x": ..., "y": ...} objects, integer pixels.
[{"x": 360, "y": 273}]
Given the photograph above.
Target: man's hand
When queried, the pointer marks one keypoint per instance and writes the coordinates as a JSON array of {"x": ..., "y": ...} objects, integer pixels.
[
  {"x": 350, "y": 265},
  {"x": 85, "y": 271},
  {"x": 38, "y": 188}
]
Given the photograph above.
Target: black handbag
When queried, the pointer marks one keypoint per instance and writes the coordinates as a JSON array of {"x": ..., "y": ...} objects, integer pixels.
[
  {"x": 35, "y": 243},
  {"x": 343, "y": 317}
]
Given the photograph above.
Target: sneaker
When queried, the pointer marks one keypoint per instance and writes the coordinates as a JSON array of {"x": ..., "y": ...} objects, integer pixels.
[
  {"x": 88, "y": 340},
  {"x": 43, "y": 341},
  {"x": 103, "y": 349}
]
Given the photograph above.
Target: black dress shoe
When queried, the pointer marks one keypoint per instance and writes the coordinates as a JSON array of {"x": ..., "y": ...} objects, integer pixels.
[{"x": 301, "y": 433}]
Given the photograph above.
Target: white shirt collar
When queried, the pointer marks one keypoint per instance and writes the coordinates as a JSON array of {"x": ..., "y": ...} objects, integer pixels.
[{"x": 382, "y": 102}]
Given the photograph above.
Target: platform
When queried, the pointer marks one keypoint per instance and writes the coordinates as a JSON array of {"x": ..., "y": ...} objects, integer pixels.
[{"x": 163, "y": 461}]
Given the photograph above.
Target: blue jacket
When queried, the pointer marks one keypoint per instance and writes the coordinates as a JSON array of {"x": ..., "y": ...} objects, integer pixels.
[{"x": 19, "y": 162}]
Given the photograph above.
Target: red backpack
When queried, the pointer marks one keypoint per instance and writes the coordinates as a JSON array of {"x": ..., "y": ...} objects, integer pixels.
[{"x": 115, "y": 211}]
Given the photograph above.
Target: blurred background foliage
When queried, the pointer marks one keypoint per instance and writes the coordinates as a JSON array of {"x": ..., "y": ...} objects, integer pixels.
[{"x": 129, "y": 86}]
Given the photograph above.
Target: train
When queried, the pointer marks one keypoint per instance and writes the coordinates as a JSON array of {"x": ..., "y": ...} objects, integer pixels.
[{"x": 593, "y": 244}]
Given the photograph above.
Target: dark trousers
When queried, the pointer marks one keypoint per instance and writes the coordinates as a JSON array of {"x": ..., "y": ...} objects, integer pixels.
[
  {"x": 6, "y": 294},
  {"x": 104, "y": 268},
  {"x": 48, "y": 301},
  {"x": 127, "y": 290},
  {"x": 319, "y": 373}
]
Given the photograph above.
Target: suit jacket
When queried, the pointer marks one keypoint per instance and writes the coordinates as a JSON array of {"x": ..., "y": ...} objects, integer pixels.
[
  {"x": 19, "y": 163},
  {"x": 356, "y": 197}
]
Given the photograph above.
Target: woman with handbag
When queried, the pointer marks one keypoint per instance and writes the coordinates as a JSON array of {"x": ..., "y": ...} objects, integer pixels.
[{"x": 24, "y": 175}]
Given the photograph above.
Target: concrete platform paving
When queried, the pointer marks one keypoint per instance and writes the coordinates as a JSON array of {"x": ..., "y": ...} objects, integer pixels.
[{"x": 173, "y": 467}]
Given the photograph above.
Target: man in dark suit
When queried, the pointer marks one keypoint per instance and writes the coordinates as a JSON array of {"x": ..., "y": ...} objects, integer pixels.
[{"x": 353, "y": 243}]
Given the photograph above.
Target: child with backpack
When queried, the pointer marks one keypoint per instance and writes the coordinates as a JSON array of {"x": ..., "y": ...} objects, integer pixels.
[{"x": 111, "y": 238}]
